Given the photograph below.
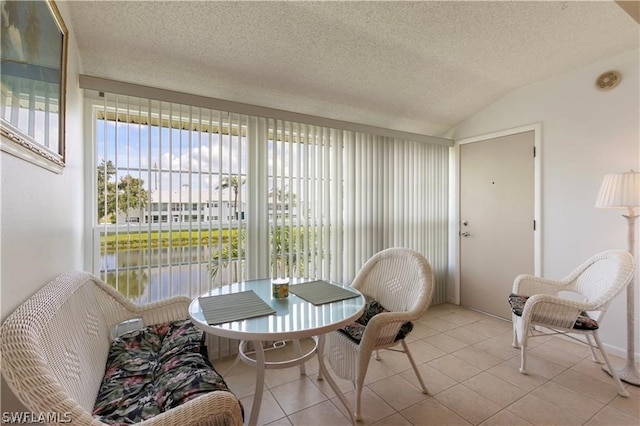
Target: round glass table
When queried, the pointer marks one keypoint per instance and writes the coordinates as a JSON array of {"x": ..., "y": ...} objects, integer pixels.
[{"x": 293, "y": 318}]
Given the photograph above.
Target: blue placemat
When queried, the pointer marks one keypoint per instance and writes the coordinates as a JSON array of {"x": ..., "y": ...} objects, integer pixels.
[
  {"x": 321, "y": 292},
  {"x": 233, "y": 307}
]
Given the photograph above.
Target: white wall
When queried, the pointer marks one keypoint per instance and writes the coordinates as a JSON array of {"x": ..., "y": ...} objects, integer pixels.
[
  {"x": 42, "y": 213},
  {"x": 586, "y": 133}
]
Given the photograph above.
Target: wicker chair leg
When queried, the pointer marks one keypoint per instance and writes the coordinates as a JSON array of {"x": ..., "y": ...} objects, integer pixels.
[
  {"x": 523, "y": 358},
  {"x": 405, "y": 347},
  {"x": 514, "y": 342},
  {"x": 592, "y": 346},
  {"x": 622, "y": 391},
  {"x": 358, "y": 411}
]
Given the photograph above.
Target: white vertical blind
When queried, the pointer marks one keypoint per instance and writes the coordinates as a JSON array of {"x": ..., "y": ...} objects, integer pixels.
[
  {"x": 250, "y": 197},
  {"x": 171, "y": 222},
  {"x": 356, "y": 194}
]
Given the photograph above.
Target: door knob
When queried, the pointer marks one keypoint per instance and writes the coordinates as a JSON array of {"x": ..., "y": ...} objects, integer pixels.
[{"x": 464, "y": 234}]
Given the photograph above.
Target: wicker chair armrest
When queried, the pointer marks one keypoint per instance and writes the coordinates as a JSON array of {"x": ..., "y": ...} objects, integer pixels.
[
  {"x": 171, "y": 309},
  {"x": 218, "y": 408},
  {"x": 553, "y": 311},
  {"x": 166, "y": 310},
  {"x": 527, "y": 285},
  {"x": 390, "y": 317},
  {"x": 372, "y": 333},
  {"x": 175, "y": 308}
]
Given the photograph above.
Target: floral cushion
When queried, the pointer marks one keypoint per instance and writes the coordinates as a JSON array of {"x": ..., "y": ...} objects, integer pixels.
[
  {"x": 355, "y": 330},
  {"x": 152, "y": 370},
  {"x": 185, "y": 377},
  {"x": 126, "y": 392},
  {"x": 182, "y": 336},
  {"x": 583, "y": 322}
]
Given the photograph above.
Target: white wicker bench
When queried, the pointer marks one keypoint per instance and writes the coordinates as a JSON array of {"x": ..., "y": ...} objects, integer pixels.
[{"x": 55, "y": 348}]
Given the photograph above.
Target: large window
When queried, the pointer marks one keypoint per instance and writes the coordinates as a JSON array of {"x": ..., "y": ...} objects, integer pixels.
[
  {"x": 169, "y": 196},
  {"x": 188, "y": 198}
]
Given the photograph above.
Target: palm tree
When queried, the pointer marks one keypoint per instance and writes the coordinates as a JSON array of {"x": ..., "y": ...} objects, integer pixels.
[
  {"x": 284, "y": 240},
  {"x": 233, "y": 182},
  {"x": 231, "y": 253},
  {"x": 285, "y": 257}
]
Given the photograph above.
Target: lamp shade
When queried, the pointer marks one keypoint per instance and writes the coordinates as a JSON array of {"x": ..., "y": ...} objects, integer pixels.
[{"x": 619, "y": 191}]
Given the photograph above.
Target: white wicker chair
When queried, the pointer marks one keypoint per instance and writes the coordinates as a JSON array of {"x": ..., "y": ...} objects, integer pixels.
[
  {"x": 54, "y": 350},
  {"x": 596, "y": 282},
  {"x": 402, "y": 281}
]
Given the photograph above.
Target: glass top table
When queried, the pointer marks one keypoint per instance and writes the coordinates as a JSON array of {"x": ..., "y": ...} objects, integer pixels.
[{"x": 294, "y": 318}]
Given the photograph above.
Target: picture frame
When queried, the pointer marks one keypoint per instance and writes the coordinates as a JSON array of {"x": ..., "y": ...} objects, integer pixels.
[{"x": 34, "y": 75}]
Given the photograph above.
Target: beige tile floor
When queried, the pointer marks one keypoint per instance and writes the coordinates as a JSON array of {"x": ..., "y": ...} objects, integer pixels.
[{"x": 471, "y": 371}]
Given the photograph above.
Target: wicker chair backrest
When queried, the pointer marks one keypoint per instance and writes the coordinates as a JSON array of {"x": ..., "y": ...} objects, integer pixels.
[
  {"x": 399, "y": 278},
  {"x": 603, "y": 276}
]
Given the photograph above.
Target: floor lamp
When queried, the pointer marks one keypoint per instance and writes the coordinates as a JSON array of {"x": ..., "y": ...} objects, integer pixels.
[{"x": 622, "y": 191}]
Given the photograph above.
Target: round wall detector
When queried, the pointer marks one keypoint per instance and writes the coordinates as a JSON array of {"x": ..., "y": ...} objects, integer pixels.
[{"x": 608, "y": 80}]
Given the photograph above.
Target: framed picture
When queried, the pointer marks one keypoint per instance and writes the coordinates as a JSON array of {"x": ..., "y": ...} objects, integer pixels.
[{"x": 34, "y": 60}]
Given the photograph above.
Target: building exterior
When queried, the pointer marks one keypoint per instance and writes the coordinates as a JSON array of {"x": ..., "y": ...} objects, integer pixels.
[{"x": 186, "y": 206}]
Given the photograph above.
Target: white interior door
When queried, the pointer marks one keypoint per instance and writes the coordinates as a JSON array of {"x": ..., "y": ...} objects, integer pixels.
[{"x": 497, "y": 202}]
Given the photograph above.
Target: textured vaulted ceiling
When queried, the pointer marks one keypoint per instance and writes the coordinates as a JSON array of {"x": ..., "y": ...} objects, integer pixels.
[{"x": 415, "y": 66}]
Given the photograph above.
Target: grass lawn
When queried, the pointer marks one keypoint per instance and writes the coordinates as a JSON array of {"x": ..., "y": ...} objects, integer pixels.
[{"x": 163, "y": 239}]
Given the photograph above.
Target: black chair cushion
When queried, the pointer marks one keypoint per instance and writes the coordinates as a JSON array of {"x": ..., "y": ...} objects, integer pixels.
[{"x": 355, "y": 330}]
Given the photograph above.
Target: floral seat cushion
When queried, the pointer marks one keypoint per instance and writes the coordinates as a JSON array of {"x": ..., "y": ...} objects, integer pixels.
[
  {"x": 152, "y": 370},
  {"x": 583, "y": 322},
  {"x": 355, "y": 330}
]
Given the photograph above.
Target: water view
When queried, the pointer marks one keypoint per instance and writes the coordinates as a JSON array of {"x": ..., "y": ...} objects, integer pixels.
[{"x": 149, "y": 275}]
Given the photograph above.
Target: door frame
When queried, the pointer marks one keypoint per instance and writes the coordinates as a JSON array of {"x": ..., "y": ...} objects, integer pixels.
[{"x": 453, "y": 288}]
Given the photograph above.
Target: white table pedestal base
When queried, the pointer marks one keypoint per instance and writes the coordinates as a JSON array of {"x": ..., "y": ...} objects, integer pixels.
[{"x": 260, "y": 364}]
